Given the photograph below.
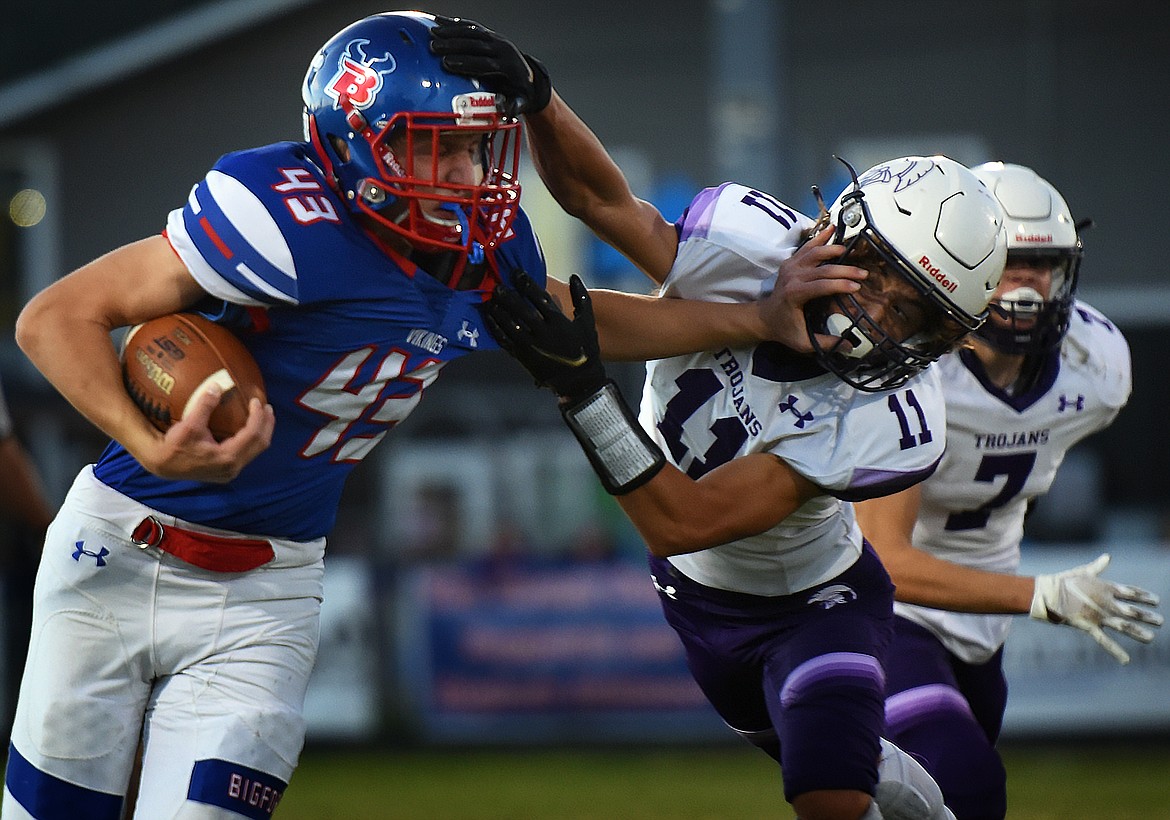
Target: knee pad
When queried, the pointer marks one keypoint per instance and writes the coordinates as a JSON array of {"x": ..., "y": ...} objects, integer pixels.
[
  {"x": 905, "y": 791},
  {"x": 935, "y": 723},
  {"x": 830, "y": 713}
]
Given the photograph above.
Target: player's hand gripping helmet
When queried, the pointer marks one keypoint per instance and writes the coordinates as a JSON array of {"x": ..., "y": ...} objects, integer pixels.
[
  {"x": 376, "y": 102},
  {"x": 931, "y": 222},
  {"x": 1040, "y": 231}
]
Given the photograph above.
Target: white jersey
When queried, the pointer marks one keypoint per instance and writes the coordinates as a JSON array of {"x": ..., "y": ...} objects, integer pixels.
[
  {"x": 1002, "y": 452},
  {"x": 707, "y": 408}
]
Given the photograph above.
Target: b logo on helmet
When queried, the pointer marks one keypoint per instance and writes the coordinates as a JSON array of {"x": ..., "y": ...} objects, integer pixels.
[{"x": 357, "y": 78}]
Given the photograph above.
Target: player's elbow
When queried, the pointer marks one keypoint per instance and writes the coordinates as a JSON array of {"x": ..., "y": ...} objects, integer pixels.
[
  {"x": 31, "y": 327},
  {"x": 675, "y": 514},
  {"x": 664, "y": 547}
]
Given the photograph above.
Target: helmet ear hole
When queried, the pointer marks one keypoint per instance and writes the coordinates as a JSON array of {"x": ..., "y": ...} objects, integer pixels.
[{"x": 340, "y": 147}]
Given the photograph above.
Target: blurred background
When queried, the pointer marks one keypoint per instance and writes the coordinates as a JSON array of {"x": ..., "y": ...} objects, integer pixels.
[{"x": 482, "y": 589}]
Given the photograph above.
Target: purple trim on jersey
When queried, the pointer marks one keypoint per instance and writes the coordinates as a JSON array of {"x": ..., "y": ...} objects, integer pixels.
[
  {"x": 866, "y": 484},
  {"x": 1093, "y": 317},
  {"x": 1049, "y": 370},
  {"x": 50, "y": 798},
  {"x": 907, "y": 708},
  {"x": 239, "y": 789},
  {"x": 696, "y": 219},
  {"x": 778, "y": 363},
  {"x": 836, "y": 665}
]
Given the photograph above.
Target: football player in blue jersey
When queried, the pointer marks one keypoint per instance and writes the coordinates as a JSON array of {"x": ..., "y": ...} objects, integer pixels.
[
  {"x": 952, "y": 543},
  {"x": 739, "y": 474},
  {"x": 179, "y": 591}
]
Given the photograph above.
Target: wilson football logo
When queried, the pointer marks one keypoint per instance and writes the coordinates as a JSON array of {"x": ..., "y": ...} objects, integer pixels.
[{"x": 164, "y": 380}]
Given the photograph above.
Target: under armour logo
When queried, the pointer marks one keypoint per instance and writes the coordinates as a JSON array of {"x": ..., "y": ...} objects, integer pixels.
[
  {"x": 1078, "y": 404},
  {"x": 790, "y": 405},
  {"x": 830, "y": 596},
  {"x": 99, "y": 556},
  {"x": 669, "y": 591},
  {"x": 469, "y": 333}
]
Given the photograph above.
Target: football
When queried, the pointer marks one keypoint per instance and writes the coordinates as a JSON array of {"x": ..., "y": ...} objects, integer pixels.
[{"x": 169, "y": 361}]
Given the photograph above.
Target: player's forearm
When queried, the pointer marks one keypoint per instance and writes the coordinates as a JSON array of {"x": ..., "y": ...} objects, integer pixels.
[
  {"x": 65, "y": 331},
  {"x": 75, "y": 353},
  {"x": 588, "y": 184},
  {"x": 667, "y": 514},
  {"x": 572, "y": 162},
  {"x": 676, "y": 514},
  {"x": 923, "y": 579},
  {"x": 632, "y": 327}
]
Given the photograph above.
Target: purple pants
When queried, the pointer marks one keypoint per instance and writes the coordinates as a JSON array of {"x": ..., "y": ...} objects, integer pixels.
[
  {"x": 800, "y": 674},
  {"x": 947, "y": 714}
]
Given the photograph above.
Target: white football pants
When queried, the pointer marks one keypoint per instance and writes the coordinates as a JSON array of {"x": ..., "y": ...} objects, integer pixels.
[{"x": 209, "y": 669}]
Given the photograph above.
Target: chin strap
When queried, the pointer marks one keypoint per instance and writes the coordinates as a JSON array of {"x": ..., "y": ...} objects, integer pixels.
[{"x": 458, "y": 270}]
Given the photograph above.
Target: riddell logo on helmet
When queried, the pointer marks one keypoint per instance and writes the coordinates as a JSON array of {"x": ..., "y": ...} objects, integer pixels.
[
  {"x": 475, "y": 104},
  {"x": 1040, "y": 238},
  {"x": 937, "y": 275}
]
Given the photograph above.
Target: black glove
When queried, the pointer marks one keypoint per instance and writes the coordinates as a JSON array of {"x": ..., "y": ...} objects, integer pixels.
[
  {"x": 472, "y": 50},
  {"x": 560, "y": 353}
]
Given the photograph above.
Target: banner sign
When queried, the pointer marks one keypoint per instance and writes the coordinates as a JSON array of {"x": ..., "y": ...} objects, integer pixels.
[
  {"x": 581, "y": 653},
  {"x": 566, "y": 653}
]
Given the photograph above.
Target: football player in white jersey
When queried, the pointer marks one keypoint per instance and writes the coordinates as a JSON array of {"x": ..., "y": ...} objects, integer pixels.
[
  {"x": 1042, "y": 373},
  {"x": 740, "y": 473}
]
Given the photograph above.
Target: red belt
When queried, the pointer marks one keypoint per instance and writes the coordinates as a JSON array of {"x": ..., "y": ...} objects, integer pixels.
[{"x": 203, "y": 550}]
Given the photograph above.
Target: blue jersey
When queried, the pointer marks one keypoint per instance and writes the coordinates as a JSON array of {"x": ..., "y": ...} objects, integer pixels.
[{"x": 347, "y": 335}]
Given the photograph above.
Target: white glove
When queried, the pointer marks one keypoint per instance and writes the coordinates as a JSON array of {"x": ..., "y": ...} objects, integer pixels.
[{"x": 1079, "y": 598}]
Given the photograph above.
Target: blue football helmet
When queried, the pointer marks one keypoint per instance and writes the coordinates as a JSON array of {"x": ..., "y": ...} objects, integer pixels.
[
  {"x": 1041, "y": 232},
  {"x": 376, "y": 102}
]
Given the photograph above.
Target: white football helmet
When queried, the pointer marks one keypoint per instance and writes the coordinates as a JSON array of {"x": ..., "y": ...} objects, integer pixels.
[
  {"x": 1040, "y": 230},
  {"x": 932, "y": 222}
]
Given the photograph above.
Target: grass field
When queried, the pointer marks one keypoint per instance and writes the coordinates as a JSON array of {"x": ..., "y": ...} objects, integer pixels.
[{"x": 1112, "y": 782}]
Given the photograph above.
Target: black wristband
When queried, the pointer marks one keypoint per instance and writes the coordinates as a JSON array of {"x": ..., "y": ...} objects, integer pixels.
[
  {"x": 541, "y": 85},
  {"x": 622, "y": 454}
]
